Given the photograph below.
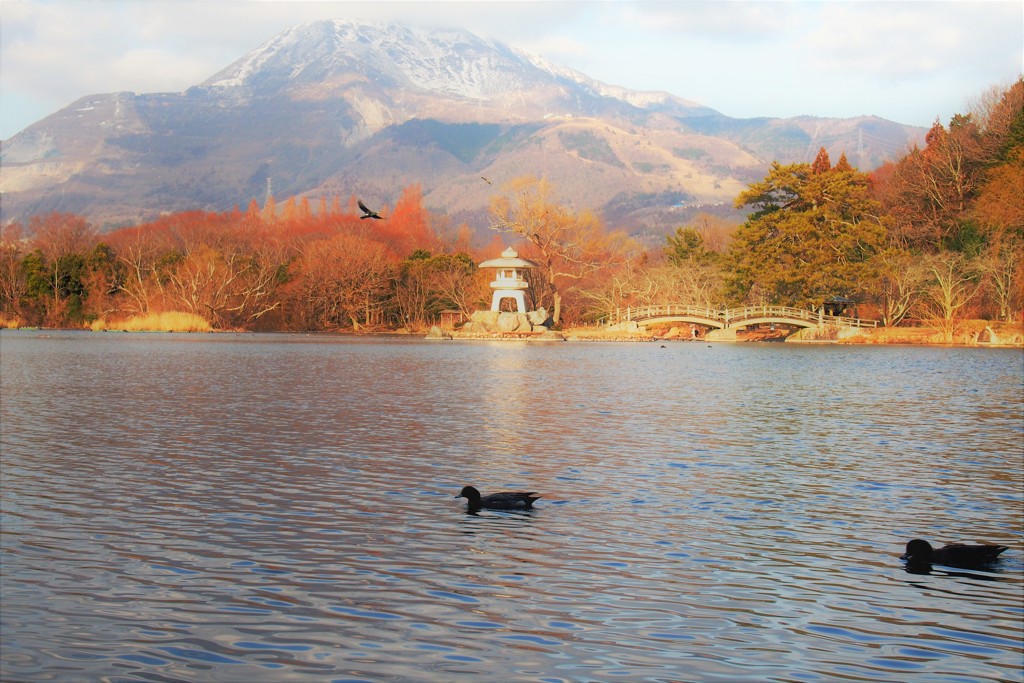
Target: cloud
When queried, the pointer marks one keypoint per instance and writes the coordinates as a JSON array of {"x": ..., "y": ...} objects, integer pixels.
[
  {"x": 892, "y": 58},
  {"x": 904, "y": 41},
  {"x": 52, "y": 53},
  {"x": 710, "y": 20},
  {"x": 156, "y": 70}
]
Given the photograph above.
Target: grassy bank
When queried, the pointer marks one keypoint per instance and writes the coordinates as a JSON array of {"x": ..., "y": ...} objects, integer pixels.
[
  {"x": 173, "y": 321},
  {"x": 969, "y": 333}
]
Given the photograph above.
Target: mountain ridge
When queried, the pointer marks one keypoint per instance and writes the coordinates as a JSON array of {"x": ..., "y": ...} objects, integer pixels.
[{"x": 346, "y": 107}]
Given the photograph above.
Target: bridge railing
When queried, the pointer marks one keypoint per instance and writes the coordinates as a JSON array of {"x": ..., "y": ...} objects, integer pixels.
[
  {"x": 752, "y": 312},
  {"x": 851, "y": 322},
  {"x": 730, "y": 316},
  {"x": 639, "y": 313}
]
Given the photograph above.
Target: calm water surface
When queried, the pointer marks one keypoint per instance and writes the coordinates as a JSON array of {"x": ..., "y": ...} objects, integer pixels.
[{"x": 280, "y": 508}]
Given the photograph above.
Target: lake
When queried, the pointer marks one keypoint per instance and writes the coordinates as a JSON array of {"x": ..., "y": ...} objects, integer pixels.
[{"x": 242, "y": 507}]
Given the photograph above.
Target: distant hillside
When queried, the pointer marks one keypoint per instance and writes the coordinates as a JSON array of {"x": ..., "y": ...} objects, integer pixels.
[{"x": 343, "y": 108}]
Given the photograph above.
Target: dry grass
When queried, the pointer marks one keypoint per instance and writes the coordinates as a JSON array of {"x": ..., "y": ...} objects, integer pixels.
[
  {"x": 969, "y": 334},
  {"x": 10, "y": 323},
  {"x": 170, "y": 321}
]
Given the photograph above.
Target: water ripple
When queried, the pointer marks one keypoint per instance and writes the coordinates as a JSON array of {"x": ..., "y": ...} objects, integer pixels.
[{"x": 225, "y": 508}]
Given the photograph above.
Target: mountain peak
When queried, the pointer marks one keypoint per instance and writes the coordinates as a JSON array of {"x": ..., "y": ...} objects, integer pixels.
[
  {"x": 343, "y": 106},
  {"x": 448, "y": 63}
]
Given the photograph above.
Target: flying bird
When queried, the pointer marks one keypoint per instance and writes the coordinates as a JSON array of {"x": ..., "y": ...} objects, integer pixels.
[
  {"x": 486, "y": 180},
  {"x": 367, "y": 213}
]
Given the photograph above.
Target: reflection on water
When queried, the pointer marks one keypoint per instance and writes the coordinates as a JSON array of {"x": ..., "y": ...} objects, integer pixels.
[{"x": 244, "y": 507}]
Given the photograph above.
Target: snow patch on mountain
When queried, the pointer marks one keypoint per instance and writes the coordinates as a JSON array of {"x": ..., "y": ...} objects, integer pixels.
[{"x": 452, "y": 63}]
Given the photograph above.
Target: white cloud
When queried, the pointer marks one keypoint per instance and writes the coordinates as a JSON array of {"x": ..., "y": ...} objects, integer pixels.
[
  {"x": 156, "y": 70},
  {"x": 908, "y": 61},
  {"x": 708, "y": 20},
  {"x": 905, "y": 41}
]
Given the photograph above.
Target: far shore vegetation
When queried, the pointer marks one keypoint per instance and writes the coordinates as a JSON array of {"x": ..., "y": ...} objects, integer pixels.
[
  {"x": 168, "y": 321},
  {"x": 931, "y": 245}
]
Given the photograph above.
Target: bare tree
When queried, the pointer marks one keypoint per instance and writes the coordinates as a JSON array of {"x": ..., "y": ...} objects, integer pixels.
[
  {"x": 1003, "y": 266},
  {"x": 345, "y": 280},
  {"x": 413, "y": 290},
  {"x": 61, "y": 234},
  {"x": 569, "y": 245},
  {"x": 13, "y": 278},
  {"x": 954, "y": 283},
  {"x": 630, "y": 283},
  {"x": 228, "y": 286},
  {"x": 900, "y": 283},
  {"x": 457, "y": 279}
]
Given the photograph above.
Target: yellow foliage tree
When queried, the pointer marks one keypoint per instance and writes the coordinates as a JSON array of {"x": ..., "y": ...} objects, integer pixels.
[{"x": 568, "y": 245}]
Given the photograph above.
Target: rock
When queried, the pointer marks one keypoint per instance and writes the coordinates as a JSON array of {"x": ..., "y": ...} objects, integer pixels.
[
  {"x": 539, "y": 318},
  {"x": 512, "y": 322},
  {"x": 506, "y": 322},
  {"x": 437, "y": 333},
  {"x": 728, "y": 334},
  {"x": 628, "y": 326},
  {"x": 484, "y": 320}
]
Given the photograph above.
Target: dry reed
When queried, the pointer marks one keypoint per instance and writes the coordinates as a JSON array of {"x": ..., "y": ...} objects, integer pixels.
[{"x": 168, "y": 321}]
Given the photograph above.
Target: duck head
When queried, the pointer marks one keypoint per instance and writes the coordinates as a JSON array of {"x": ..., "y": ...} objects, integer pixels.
[
  {"x": 918, "y": 550},
  {"x": 469, "y": 493}
]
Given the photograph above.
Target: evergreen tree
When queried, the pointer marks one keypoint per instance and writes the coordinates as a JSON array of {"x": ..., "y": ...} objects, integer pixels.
[
  {"x": 812, "y": 236},
  {"x": 821, "y": 164},
  {"x": 843, "y": 164}
]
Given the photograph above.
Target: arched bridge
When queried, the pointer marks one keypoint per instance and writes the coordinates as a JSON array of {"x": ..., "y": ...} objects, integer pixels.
[{"x": 724, "y": 318}]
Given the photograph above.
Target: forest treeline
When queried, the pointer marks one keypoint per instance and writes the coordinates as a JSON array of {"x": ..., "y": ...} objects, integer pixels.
[{"x": 936, "y": 236}]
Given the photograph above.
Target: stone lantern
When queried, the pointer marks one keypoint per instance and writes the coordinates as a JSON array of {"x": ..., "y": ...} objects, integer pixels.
[{"x": 509, "y": 281}]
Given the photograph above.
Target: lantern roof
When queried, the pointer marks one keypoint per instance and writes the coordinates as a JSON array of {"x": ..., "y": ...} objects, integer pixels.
[{"x": 509, "y": 259}]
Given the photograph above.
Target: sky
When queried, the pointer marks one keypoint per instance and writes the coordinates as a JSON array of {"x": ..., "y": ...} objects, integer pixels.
[{"x": 908, "y": 61}]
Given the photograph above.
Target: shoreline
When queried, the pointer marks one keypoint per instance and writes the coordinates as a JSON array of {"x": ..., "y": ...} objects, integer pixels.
[{"x": 1005, "y": 337}]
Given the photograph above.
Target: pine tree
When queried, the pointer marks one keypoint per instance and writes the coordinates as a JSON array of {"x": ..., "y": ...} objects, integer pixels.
[
  {"x": 811, "y": 236},
  {"x": 821, "y": 162}
]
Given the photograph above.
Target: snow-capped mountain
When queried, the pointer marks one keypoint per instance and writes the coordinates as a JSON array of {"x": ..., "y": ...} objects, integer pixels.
[
  {"x": 442, "y": 63},
  {"x": 344, "y": 107},
  {"x": 438, "y": 63}
]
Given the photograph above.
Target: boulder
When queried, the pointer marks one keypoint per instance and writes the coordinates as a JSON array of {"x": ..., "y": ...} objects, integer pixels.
[
  {"x": 506, "y": 322},
  {"x": 437, "y": 333},
  {"x": 513, "y": 322},
  {"x": 484, "y": 320},
  {"x": 539, "y": 318}
]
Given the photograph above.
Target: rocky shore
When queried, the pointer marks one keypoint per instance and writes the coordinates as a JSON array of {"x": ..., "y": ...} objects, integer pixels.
[{"x": 973, "y": 333}]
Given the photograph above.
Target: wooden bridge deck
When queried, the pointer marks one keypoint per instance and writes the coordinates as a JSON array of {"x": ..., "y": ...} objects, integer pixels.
[{"x": 723, "y": 318}]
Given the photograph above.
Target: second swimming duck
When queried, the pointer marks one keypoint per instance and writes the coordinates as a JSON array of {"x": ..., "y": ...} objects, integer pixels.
[{"x": 955, "y": 555}]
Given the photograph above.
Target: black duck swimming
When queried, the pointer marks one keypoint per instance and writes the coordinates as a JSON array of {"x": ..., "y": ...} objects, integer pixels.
[
  {"x": 954, "y": 555},
  {"x": 504, "y": 500}
]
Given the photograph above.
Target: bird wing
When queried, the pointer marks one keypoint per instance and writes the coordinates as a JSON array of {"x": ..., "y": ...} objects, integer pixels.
[
  {"x": 363, "y": 206},
  {"x": 511, "y": 498},
  {"x": 964, "y": 552}
]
